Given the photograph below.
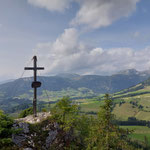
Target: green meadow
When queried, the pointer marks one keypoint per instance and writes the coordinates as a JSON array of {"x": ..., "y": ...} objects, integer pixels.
[{"x": 139, "y": 132}]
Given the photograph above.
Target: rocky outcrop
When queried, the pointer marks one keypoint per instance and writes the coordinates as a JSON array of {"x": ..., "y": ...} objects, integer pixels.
[
  {"x": 43, "y": 135},
  {"x": 31, "y": 119}
]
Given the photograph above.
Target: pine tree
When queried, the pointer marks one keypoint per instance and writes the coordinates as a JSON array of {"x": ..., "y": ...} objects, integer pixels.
[{"x": 104, "y": 134}]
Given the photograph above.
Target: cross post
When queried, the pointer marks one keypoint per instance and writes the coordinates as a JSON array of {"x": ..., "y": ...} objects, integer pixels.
[{"x": 35, "y": 84}]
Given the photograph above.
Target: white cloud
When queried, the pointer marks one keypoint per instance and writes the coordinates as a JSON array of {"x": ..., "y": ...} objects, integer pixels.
[
  {"x": 67, "y": 54},
  {"x": 101, "y": 13},
  {"x": 92, "y": 13},
  {"x": 51, "y": 5}
]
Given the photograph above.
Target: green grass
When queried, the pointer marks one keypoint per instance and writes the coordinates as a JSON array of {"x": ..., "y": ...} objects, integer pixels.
[
  {"x": 88, "y": 105},
  {"x": 139, "y": 132},
  {"x": 140, "y": 137},
  {"x": 130, "y": 106},
  {"x": 128, "y": 109},
  {"x": 124, "y": 111}
]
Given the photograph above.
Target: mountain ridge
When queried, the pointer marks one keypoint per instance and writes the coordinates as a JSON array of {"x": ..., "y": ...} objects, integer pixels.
[{"x": 96, "y": 83}]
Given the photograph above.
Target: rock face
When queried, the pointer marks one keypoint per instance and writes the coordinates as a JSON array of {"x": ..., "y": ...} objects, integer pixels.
[
  {"x": 51, "y": 136},
  {"x": 43, "y": 135},
  {"x": 20, "y": 138}
]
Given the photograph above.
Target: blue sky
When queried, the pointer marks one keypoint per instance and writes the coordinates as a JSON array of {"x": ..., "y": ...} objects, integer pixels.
[{"x": 74, "y": 36}]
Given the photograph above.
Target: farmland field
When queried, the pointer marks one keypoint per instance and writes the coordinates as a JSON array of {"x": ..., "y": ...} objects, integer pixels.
[{"x": 139, "y": 132}]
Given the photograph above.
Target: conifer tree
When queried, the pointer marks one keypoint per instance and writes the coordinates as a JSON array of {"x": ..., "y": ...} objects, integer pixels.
[
  {"x": 65, "y": 112},
  {"x": 104, "y": 134}
]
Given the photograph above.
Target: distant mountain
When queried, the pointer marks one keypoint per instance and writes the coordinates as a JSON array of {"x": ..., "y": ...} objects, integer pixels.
[
  {"x": 134, "y": 72},
  {"x": 6, "y": 81},
  {"x": 96, "y": 83},
  {"x": 129, "y": 72},
  {"x": 68, "y": 75}
]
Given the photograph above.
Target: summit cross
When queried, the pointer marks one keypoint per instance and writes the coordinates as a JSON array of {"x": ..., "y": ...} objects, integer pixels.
[{"x": 35, "y": 83}]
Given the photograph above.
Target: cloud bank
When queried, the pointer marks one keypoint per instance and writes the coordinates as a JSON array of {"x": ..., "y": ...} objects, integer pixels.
[
  {"x": 67, "y": 54},
  {"x": 92, "y": 13},
  {"x": 101, "y": 13}
]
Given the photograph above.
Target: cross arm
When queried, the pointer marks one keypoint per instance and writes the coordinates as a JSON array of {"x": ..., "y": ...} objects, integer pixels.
[
  {"x": 32, "y": 68},
  {"x": 40, "y": 68},
  {"x": 28, "y": 68}
]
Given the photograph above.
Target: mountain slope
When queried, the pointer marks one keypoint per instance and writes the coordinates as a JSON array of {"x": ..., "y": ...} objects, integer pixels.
[
  {"x": 96, "y": 83},
  {"x": 139, "y": 89},
  {"x": 133, "y": 102}
]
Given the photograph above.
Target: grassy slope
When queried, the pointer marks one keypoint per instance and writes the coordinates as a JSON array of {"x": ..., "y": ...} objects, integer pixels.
[
  {"x": 55, "y": 95},
  {"x": 132, "y": 102},
  {"x": 139, "y": 132},
  {"x": 124, "y": 111},
  {"x": 137, "y": 103}
]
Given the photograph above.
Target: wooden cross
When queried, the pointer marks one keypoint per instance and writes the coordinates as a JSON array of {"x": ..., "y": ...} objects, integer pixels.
[{"x": 36, "y": 83}]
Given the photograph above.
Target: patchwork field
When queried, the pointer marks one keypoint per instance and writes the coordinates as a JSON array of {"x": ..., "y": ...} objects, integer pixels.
[{"x": 139, "y": 132}]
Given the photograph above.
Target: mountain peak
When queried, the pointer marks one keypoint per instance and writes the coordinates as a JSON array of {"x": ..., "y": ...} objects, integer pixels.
[{"x": 129, "y": 72}]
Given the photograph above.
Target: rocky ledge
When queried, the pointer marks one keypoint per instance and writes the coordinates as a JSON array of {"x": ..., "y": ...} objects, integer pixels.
[
  {"x": 40, "y": 133},
  {"x": 31, "y": 119}
]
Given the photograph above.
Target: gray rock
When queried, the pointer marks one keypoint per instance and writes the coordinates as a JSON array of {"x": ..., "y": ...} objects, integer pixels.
[
  {"x": 18, "y": 139},
  {"x": 24, "y": 126},
  {"x": 56, "y": 125},
  {"x": 21, "y": 137},
  {"x": 50, "y": 138}
]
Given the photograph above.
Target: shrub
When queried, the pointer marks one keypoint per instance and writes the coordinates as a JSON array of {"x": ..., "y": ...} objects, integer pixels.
[
  {"x": 26, "y": 112},
  {"x": 6, "y": 131}
]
